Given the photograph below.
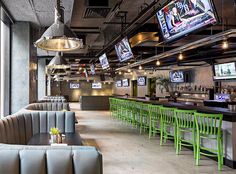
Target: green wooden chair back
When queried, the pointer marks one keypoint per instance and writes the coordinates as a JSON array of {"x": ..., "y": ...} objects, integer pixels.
[
  {"x": 208, "y": 124},
  {"x": 167, "y": 115},
  {"x": 184, "y": 118},
  {"x": 154, "y": 111}
]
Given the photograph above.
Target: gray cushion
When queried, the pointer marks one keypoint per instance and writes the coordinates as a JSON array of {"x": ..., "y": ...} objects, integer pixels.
[
  {"x": 9, "y": 162},
  {"x": 49, "y": 106}
]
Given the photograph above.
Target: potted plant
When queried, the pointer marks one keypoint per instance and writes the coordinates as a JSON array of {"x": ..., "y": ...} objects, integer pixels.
[
  {"x": 163, "y": 83},
  {"x": 55, "y": 133}
]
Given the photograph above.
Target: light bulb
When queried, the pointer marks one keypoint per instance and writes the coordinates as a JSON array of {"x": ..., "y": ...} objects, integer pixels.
[
  {"x": 120, "y": 72},
  {"x": 140, "y": 67},
  {"x": 158, "y": 63},
  {"x": 225, "y": 44},
  {"x": 129, "y": 70},
  {"x": 145, "y": 73},
  {"x": 181, "y": 57}
]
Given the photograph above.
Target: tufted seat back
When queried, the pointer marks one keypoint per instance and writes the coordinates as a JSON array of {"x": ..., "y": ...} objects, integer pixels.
[
  {"x": 53, "y": 99},
  {"x": 57, "y": 106},
  {"x": 49, "y": 160},
  {"x": 20, "y": 127}
]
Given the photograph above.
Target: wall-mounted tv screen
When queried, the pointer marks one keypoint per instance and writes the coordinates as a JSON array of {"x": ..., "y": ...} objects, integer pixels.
[
  {"x": 123, "y": 50},
  {"x": 92, "y": 69},
  {"x": 125, "y": 82},
  {"x": 74, "y": 85},
  {"x": 104, "y": 62},
  {"x": 225, "y": 71},
  {"x": 97, "y": 85},
  {"x": 118, "y": 83},
  {"x": 181, "y": 17},
  {"x": 177, "y": 76},
  {"x": 141, "y": 81}
]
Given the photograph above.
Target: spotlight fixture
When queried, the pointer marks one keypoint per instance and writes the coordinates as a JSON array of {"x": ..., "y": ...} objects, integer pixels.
[
  {"x": 140, "y": 67},
  {"x": 181, "y": 57},
  {"x": 158, "y": 63},
  {"x": 225, "y": 44}
]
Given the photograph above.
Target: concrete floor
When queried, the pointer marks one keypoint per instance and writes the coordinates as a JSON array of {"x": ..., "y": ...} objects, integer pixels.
[{"x": 125, "y": 151}]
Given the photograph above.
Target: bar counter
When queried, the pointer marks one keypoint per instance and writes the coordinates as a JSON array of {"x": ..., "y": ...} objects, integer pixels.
[
  {"x": 227, "y": 114},
  {"x": 228, "y": 125}
]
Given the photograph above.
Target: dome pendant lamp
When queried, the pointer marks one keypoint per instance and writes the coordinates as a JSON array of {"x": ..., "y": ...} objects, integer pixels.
[{"x": 58, "y": 37}]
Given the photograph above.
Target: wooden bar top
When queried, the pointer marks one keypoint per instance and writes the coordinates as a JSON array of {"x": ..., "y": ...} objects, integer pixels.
[{"x": 227, "y": 114}]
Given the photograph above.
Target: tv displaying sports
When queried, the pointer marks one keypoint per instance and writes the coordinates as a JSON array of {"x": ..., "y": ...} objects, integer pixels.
[
  {"x": 141, "y": 81},
  {"x": 225, "y": 71},
  {"x": 125, "y": 82},
  {"x": 177, "y": 76},
  {"x": 181, "y": 17},
  {"x": 92, "y": 69},
  {"x": 103, "y": 61},
  {"x": 96, "y": 85},
  {"x": 123, "y": 50},
  {"x": 74, "y": 85},
  {"x": 118, "y": 83}
]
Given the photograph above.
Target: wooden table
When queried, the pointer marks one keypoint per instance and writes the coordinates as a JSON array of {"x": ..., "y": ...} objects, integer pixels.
[{"x": 44, "y": 139}]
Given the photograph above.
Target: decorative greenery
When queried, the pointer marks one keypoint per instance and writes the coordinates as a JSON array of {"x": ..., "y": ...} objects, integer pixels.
[
  {"x": 163, "y": 83},
  {"x": 54, "y": 131}
]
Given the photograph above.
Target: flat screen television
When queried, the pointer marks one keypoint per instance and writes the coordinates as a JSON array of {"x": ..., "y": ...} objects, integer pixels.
[
  {"x": 118, "y": 83},
  {"x": 92, "y": 69},
  {"x": 103, "y": 61},
  {"x": 125, "y": 82},
  {"x": 181, "y": 17},
  {"x": 225, "y": 71},
  {"x": 74, "y": 85},
  {"x": 123, "y": 50},
  {"x": 177, "y": 76},
  {"x": 96, "y": 85},
  {"x": 141, "y": 81}
]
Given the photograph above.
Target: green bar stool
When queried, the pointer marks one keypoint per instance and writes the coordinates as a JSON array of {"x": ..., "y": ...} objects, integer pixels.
[
  {"x": 167, "y": 122},
  {"x": 155, "y": 118},
  {"x": 136, "y": 114},
  {"x": 144, "y": 117},
  {"x": 208, "y": 126},
  {"x": 185, "y": 124}
]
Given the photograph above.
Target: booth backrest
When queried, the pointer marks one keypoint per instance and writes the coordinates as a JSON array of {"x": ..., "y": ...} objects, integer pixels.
[
  {"x": 57, "y": 106},
  {"x": 49, "y": 160},
  {"x": 20, "y": 127},
  {"x": 53, "y": 99}
]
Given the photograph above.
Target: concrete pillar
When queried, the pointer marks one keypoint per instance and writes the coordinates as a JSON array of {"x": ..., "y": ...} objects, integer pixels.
[
  {"x": 41, "y": 78},
  {"x": 23, "y": 67}
]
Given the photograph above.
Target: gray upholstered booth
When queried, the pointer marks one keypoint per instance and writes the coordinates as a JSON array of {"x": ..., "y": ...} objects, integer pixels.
[
  {"x": 53, "y": 99},
  {"x": 20, "y": 127},
  {"x": 56, "y": 106},
  {"x": 16, "y": 159}
]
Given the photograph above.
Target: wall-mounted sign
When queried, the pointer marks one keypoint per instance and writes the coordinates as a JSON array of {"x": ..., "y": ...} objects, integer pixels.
[
  {"x": 141, "y": 81},
  {"x": 74, "y": 85},
  {"x": 125, "y": 82},
  {"x": 118, "y": 83},
  {"x": 96, "y": 85}
]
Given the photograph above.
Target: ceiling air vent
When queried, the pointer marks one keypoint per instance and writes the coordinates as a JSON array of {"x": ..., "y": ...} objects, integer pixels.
[{"x": 96, "y": 12}]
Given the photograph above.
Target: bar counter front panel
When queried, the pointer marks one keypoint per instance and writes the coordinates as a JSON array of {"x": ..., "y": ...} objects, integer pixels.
[{"x": 228, "y": 125}]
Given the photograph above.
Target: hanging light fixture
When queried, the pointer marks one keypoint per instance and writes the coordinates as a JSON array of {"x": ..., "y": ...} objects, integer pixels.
[
  {"x": 158, "y": 63},
  {"x": 225, "y": 44},
  {"x": 120, "y": 72},
  {"x": 145, "y": 73},
  {"x": 58, "y": 62},
  {"x": 59, "y": 37},
  {"x": 180, "y": 57},
  {"x": 129, "y": 70},
  {"x": 140, "y": 67}
]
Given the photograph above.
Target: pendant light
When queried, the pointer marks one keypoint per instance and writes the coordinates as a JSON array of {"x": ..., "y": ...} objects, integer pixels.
[
  {"x": 58, "y": 62},
  {"x": 59, "y": 37}
]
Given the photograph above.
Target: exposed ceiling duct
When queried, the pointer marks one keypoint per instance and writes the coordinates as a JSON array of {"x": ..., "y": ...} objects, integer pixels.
[{"x": 59, "y": 37}]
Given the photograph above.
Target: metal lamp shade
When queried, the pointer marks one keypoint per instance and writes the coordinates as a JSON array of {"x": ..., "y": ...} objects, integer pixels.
[{"x": 58, "y": 62}]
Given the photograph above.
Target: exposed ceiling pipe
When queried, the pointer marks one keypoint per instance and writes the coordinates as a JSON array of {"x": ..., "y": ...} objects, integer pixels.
[
  {"x": 202, "y": 42},
  {"x": 129, "y": 28}
]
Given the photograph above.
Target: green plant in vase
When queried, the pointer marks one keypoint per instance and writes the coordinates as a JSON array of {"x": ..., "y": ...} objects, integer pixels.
[
  {"x": 55, "y": 133},
  {"x": 163, "y": 83}
]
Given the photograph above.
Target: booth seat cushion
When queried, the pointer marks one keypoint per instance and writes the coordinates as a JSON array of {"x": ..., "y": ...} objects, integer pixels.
[
  {"x": 50, "y": 160},
  {"x": 57, "y": 106},
  {"x": 20, "y": 127}
]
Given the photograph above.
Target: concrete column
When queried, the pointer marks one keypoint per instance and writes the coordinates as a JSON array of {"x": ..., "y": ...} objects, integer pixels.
[
  {"x": 20, "y": 66},
  {"x": 41, "y": 78}
]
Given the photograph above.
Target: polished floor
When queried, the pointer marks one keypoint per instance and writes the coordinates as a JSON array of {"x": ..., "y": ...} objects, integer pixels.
[{"x": 125, "y": 151}]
